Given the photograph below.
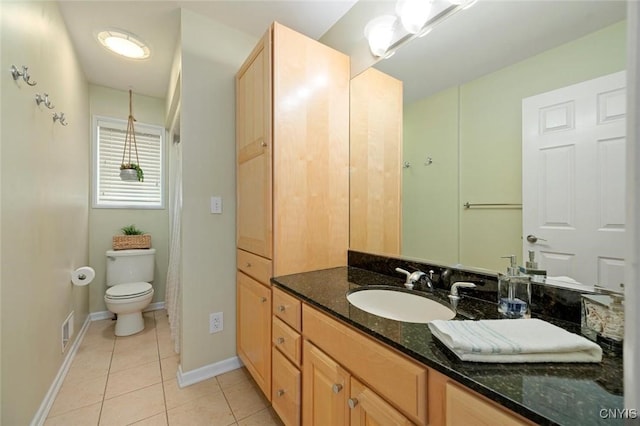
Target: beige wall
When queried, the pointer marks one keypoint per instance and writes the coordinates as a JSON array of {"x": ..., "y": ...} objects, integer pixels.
[
  {"x": 489, "y": 140},
  {"x": 104, "y": 223},
  {"x": 45, "y": 197},
  {"x": 208, "y": 155}
]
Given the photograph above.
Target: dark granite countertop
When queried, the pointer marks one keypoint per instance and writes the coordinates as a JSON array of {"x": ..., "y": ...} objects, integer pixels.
[{"x": 553, "y": 393}]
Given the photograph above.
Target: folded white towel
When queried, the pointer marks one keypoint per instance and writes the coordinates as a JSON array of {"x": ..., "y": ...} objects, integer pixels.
[{"x": 514, "y": 340}]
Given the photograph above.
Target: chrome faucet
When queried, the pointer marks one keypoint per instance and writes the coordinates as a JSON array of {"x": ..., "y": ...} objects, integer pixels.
[
  {"x": 414, "y": 277},
  {"x": 454, "y": 297}
]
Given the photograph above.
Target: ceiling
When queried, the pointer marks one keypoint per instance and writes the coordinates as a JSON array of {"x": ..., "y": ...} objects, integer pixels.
[
  {"x": 158, "y": 24},
  {"x": 473, "y": 42}
]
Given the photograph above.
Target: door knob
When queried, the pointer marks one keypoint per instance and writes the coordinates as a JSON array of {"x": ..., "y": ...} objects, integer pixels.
[{"x": 533, "y": 239}]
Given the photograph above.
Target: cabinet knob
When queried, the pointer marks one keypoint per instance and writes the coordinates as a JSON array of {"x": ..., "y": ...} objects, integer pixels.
[
  {"x": 263, "y": 144},
  {"x": 336, "y": 388},
  {"x": 280, "y": 340},
  {"x": 263, "y": 299},
  {"x": 352, "y": 402},
  {"x": 281, "y": 308},
  {"x": 248, "y": 265},
  {"x": 280, "y": 392}
]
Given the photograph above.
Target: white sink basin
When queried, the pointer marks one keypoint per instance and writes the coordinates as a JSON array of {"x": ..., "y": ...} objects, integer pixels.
[{"x": 399, "y": 305}]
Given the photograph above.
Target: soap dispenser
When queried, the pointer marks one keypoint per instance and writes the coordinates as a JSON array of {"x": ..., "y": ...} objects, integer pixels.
[
  {"x": 531, "y": 266},
  {"x": 514, "y": 292}
]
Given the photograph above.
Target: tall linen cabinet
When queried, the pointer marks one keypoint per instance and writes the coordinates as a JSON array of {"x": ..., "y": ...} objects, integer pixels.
[{"x": 292, "y": 140}]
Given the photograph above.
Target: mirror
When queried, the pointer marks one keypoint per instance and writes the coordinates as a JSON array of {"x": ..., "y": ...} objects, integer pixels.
[{"x": 462, "y": 119}]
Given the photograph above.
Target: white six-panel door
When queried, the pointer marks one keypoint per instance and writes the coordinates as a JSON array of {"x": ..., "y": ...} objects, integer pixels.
[{"x": 573, "y": 180}]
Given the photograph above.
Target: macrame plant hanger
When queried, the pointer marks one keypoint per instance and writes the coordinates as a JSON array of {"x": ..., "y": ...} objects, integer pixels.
[{"x": 130, "y": 170}]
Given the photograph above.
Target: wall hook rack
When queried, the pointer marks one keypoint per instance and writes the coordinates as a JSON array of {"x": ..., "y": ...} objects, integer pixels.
[
  {"x": 16, "y": 74},
  {"x": 44, "y": 100},
  {"x": 60, "y": 117},
  {"x": 406, "y": 165},
  {"x": 429, "y": 161}
]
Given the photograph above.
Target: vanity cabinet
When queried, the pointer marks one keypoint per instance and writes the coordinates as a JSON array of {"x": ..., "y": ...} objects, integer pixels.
[
  {"x": 390, "y": 377},
  {"x": 292, "y": 172},
  {"x": 327, "y": 373}
]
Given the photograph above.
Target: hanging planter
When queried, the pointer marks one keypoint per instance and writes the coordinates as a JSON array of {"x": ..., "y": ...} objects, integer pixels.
[{"x": 130, "y": 171}]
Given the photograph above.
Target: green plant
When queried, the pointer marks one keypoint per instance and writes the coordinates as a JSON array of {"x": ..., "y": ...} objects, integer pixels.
[
  {"x": 133, "y": 166},
  {"x": 131, "y": 230}
]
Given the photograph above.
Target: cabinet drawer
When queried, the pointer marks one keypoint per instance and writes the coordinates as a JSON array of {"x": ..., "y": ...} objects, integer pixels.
[
  {"x": 285, "y": 397},
  {"x": 254, "y": 266},
  {"x": 287, "y": 340},
  {"x": 287, "y": 308},
  {"x": 465, "y": 408},
  {"x": 406, "y": 388}
]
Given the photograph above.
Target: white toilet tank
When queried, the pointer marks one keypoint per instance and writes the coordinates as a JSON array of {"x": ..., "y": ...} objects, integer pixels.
[{"x": 128, "y": 266}]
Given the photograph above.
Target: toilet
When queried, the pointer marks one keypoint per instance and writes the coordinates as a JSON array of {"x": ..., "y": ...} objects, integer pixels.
[{"x": 129, "y": 290}]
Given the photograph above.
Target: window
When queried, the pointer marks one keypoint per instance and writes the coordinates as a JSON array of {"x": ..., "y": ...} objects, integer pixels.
[{"x": 109, "y": 191}]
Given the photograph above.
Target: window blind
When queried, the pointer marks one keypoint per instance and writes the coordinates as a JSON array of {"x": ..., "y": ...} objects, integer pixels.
[{"x": 110, "y": 190}]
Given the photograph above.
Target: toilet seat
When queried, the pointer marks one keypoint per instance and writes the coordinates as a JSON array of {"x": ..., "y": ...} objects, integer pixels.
[{"x": 128, "y": 291}]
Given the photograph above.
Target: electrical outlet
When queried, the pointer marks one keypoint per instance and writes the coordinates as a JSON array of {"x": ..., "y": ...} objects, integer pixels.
[{"x": 216, "y": 323}]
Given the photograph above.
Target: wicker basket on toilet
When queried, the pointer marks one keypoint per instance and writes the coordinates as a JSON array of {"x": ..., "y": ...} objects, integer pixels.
[{"x": 132, "y": 238}]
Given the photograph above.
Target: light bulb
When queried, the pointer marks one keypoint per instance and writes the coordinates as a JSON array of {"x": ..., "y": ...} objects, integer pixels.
[
  {"x": 413, "y": 14},
  {"x": 379, "y": 33}
]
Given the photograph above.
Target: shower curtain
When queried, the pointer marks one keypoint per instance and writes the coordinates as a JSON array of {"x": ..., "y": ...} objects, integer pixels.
[{"x": 173, "y": 292}]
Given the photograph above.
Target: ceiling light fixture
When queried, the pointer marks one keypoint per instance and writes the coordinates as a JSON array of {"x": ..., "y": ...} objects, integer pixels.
[{"x": 124, "y": 44}]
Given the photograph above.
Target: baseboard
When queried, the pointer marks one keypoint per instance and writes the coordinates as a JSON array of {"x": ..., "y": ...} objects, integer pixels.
[
  {"x": 103, "y": 315},
  {"x": 47, "y": 402},
  {"x": 208, "y": 371}
]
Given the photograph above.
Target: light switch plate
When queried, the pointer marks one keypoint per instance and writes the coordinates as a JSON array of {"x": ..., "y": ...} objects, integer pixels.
[{"x": 216, "y": 205}]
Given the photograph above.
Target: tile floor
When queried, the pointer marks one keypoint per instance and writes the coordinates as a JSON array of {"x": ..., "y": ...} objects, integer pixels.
[{"x": 132, "y": 380}]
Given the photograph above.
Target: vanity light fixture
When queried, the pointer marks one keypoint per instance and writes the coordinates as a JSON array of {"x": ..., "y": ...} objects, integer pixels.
[
  {"x": 124, "y": 44},
  {"x": 417, "y": 18}
]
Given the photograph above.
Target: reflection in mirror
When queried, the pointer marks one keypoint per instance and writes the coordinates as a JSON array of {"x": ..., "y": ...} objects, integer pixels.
[{"x": 464, "y": 85}]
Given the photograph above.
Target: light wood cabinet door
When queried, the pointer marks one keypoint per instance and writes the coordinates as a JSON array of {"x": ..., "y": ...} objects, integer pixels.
[
  {"x": 253, "y": 339},
  {"x": 368, "y": 409},
  {"x": 311, "y": 154},
  {"x": 375, "y": 163},
  {"x": 254, "y": 151},
  {"x": 325, "y": 389},
  {"x": 286, "y": 389}
]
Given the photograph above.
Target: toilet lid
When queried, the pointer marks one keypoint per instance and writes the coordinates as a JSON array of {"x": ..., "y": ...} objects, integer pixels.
[{"x": 128, "y": 290}]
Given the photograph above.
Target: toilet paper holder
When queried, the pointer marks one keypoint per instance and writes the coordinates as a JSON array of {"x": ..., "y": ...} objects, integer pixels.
[{"x": 83, "y": 276}]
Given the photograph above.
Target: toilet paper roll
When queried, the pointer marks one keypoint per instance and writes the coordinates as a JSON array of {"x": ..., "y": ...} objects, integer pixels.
[{"x": 83, "y": 276}]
